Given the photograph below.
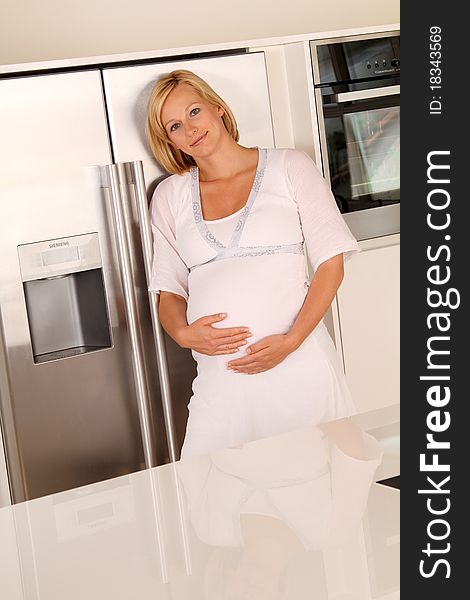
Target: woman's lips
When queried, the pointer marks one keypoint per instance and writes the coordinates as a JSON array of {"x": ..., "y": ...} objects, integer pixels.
[{"x": 199, "y": 140}]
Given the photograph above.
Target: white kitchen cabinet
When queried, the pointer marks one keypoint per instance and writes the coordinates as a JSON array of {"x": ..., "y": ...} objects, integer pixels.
[
  {"x": 367, "y": 323},
  {"x": 364, "y": 318}
]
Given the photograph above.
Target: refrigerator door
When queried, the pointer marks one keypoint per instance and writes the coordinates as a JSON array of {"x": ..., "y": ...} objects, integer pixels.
[
  {"x": 69, "y": 412},
  {"x": 241, "y": 81}
]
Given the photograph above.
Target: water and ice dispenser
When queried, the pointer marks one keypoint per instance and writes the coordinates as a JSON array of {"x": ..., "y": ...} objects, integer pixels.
[{"x": 65, "y": 297}]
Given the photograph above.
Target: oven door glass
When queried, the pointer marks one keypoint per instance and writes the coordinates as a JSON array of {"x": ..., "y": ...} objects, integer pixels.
[{"x": 363, "y": 140}]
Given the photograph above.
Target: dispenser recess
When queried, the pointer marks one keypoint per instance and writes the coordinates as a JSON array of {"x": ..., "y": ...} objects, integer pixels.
[{"x": 65, "y": 297}]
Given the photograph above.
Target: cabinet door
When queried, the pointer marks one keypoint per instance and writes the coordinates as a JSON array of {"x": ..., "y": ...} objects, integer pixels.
[{"x": 368, "y": 307}]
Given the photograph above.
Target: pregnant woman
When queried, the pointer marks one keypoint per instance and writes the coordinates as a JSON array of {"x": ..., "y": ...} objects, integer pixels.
[{"x": 231, "y": 227}]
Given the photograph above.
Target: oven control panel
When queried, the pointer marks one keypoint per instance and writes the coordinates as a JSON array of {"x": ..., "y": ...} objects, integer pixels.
[{"x": 350, "y": 60}]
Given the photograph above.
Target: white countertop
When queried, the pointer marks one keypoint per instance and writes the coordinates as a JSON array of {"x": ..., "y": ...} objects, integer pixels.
[{"x": 295, "y": 516}]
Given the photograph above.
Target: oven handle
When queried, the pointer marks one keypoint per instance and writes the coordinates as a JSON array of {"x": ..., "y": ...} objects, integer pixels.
[{"x": 391, "y": 90}]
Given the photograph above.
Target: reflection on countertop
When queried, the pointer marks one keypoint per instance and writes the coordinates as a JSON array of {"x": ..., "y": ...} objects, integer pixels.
[{"x": 298, "y": 516}]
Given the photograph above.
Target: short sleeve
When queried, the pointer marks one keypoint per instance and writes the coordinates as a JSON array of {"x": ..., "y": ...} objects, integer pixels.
[
  {"x": 169, "y": 271},
  {"x": 325, "y": 231}
]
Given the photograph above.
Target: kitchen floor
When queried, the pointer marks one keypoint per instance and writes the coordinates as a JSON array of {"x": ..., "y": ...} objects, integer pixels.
[{"x": 299, "y": 515}]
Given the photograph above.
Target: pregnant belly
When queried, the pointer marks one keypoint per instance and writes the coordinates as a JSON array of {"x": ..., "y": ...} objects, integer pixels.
[{"x": 264, "y": 293}]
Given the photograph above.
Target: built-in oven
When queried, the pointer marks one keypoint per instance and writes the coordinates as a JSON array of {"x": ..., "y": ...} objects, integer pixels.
[{"x": 357, "y": 89}]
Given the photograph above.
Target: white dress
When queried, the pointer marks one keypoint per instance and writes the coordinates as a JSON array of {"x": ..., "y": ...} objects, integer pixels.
[{"x": 252, "y": 266}]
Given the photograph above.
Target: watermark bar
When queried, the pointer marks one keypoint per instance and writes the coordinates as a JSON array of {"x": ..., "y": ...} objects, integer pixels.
[{"x": 434, "y": 292}]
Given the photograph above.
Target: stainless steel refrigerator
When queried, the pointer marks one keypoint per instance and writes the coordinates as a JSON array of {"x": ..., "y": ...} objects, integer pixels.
[{"x": 90, "y": 386}]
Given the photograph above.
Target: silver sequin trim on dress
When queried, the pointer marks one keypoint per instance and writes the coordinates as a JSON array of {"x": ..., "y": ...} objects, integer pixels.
[
  {"x": 233, "y": 250},
  {"x": 248, "y": 251},
  {"x": 197, "y": 209},
  {"x": 254, "y": 191}
]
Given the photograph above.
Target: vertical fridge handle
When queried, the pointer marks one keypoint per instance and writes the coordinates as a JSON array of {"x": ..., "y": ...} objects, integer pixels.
[
  {"x": 114, "y": 183},
  {"x": 12, "y": 477},
  {"x": 137, "y": 177}
]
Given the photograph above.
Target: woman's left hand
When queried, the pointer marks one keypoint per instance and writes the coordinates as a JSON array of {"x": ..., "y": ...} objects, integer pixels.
[{"x": 264, "y": 355}]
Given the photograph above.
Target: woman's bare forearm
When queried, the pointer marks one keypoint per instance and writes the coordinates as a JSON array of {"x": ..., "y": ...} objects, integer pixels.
[
  {"x": 323, "y": 288},
  {"x": 200, "y": 335},
  {"x": 172, "y": 313}
]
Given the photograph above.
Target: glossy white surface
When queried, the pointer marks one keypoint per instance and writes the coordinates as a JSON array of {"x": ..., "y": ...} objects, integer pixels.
[{"x": 294, "y": 516}]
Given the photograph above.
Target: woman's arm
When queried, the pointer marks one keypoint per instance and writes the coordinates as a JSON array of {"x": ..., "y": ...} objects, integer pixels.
[
  {"x": 323, "y": 288},
  {"x": 273, "y": 349},
  {"x": 328, "y": 241},
  {"x": 172, "y": 313},
  {"x": 170, "y": 278},
  {"x": 200, "y": 336}
]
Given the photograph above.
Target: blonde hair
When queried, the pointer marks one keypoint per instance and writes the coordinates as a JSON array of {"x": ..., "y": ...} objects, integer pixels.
[{"x": 172, "y": 159}]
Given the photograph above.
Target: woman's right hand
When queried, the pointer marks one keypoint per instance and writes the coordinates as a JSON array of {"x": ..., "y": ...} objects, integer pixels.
[{"x": 202, "y": 337}]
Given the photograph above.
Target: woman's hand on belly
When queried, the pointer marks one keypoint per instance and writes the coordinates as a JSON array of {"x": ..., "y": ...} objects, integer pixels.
[
  {"x": 264, "y": 355},
  {"x": 202, "y": 337}
]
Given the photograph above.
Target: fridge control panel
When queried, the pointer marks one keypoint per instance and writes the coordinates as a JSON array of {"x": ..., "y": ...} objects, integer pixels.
[{"x": 53, "y": 258}]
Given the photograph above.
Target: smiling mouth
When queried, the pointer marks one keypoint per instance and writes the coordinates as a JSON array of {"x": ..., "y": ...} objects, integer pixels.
[{"x": 198, "y": 140}]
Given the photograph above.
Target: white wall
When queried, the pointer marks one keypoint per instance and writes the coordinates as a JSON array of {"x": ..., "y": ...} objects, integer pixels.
[{"x": 37, "y": 30}]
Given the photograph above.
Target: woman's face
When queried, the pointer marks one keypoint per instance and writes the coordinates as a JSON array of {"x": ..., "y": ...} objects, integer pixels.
[{"x": 193, "y": 125}]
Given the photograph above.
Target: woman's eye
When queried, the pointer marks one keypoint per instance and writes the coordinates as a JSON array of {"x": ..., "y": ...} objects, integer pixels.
[
  {"x": 195, "y": 111},
  {"x": 174, "y": 127}
]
